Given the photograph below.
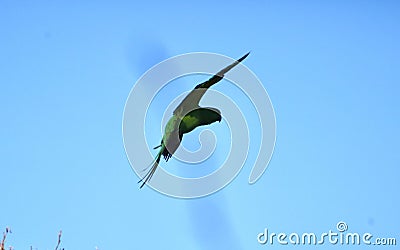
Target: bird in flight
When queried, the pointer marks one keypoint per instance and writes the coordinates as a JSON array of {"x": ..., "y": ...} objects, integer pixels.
[{"x": 186, "y": 117}]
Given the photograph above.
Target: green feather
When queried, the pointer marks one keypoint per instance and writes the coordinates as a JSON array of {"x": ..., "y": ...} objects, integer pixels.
[{"x": 199, "y": 117}]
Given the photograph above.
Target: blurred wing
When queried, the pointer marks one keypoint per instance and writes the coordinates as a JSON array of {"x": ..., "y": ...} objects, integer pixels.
[
  {"x": 192, "y": 100},
  {"x": 198, "y": 117}
]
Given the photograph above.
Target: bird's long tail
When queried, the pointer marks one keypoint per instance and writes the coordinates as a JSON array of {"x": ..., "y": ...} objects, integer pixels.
[{"x": 153, "y": 168}]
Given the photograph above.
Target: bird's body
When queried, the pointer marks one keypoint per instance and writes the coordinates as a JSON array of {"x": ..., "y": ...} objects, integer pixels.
[{"x": 186, "y": 117}]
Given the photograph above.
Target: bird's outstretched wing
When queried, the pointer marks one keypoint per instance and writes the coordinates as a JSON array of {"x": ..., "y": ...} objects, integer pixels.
[
  {"x": 198, "y": 117},
  {"x": 192, "y": 100}
]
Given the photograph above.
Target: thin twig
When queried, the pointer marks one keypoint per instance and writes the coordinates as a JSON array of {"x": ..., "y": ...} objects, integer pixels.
[
  {"x": 3, "y": 241},
  {"x": 59, "y": 240}
]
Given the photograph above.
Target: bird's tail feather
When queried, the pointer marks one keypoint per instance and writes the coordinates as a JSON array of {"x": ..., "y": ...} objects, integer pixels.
[
  {"x": 153, "y": 168},
  {"x": 152, "y": 162}
]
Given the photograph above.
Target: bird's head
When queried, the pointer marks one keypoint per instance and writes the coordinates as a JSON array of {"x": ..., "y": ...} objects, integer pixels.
[{"x": 215, "y": 115}]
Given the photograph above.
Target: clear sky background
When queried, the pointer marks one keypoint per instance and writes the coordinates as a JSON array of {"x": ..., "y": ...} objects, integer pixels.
[{"x": 66, "y": 69}]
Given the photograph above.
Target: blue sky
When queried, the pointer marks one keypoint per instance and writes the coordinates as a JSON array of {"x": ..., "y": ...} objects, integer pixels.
[{"x": 66, "y": 69}]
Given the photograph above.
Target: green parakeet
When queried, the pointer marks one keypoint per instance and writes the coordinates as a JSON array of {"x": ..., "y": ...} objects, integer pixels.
[{"x": 186, "y": 117}]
